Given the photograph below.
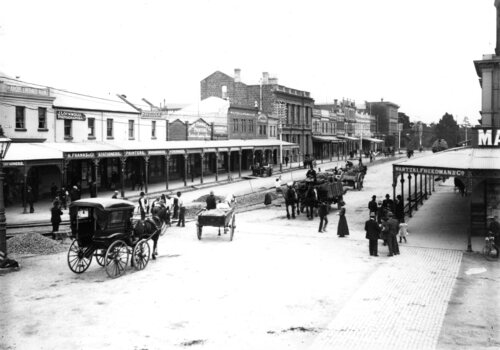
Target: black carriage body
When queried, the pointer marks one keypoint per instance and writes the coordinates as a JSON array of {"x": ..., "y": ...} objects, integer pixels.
[{"x": 97, "y": 222}]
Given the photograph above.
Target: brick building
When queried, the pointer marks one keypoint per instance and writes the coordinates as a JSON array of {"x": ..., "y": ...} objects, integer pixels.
[{"x": 386, "y": 120}]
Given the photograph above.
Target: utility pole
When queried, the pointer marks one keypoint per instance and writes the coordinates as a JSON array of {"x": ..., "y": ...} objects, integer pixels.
[
  {"x": 280, "y": 112},
  {"x": 400, "y": 128}
]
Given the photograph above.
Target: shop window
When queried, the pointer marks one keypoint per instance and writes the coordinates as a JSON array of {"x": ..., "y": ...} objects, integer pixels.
[
  {"x": 131, "y": 129},
  {"x": 235, "y": 125},
  {"x": 91, "y": 126},
  {"x": 42, "y": 118},
  {"x": 153, "y": 129},
  {"x": 20, "y": 118},
  {"x": 243, "y": 125},
  {"x": 109, "y": 128},
  {"x": 68, "y": 129}
]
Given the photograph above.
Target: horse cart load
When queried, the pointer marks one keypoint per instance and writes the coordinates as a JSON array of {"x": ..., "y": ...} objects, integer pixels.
[
  {"x": 327, "y": 188},
  {"x": 218, "y": 218},
  {"x": 353, "y": 176},
  {"x": 103, "y": 228}
]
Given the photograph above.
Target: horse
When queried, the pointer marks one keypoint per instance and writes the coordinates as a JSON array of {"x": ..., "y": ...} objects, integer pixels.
[
  {"x": 149, "y": 229},
  {"x": 291, "y": 199},
  {"x": 310, "y": 202}
]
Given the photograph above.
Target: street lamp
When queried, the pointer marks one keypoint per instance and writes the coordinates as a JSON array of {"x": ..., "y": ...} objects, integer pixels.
[{"x": 4, "y": 147}]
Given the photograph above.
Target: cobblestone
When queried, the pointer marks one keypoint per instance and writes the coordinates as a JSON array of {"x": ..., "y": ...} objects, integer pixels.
[{"x": 401, "y": 306}]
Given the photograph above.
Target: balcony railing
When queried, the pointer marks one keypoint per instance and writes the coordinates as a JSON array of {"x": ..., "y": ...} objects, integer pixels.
[{"x": 26, "y": 90}]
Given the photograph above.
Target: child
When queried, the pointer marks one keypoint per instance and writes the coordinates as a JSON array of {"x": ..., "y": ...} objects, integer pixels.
[{"x": 403, "y": 232}]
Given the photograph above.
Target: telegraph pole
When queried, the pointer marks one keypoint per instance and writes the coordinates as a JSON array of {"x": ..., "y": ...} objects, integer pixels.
[{"x": 280, "y": 112}]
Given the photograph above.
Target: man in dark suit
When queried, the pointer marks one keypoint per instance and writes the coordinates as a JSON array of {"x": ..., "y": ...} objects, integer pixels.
[
  {"x": 391, "y": 227},
  {"x": 372, "y": 206},
  {"x": 211, "y": 201},
  {"x": 388, "y": 203},
  {"x": 372, "y": 234}
]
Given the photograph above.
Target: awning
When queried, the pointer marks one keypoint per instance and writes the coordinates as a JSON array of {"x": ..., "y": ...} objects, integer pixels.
[
  {"x": 325, "y": 139},
  {"x": 453, "y": 162},
  {"x": 372, "y": 139},
  {"x": 350, "y": 138}
]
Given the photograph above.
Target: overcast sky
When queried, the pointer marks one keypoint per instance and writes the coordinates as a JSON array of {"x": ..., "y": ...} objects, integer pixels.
[{"x": 417, "y": 54}]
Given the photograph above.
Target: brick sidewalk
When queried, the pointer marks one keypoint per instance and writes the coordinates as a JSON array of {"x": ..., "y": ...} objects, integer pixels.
[{"x": 401, "y": 306}]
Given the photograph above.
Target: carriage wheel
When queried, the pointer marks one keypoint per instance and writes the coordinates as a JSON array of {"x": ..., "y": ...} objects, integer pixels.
[
  {"x": 233, "y": 225},
  {"x": 198, "y": 231},
  {"x": 140, "y": 254},
  {"x": 79, "y": 258},
  {"x": 99, "y": 256},
  {"x": 116, "y": 259}
]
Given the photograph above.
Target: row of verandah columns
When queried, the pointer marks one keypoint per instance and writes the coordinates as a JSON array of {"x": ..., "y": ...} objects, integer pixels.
[
  {"x": 166, "y": 157},
  {"x": 417, "y": 182}
]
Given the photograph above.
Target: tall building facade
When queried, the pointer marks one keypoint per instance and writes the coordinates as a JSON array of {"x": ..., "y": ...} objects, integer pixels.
[{"x": 386, "y": 120}]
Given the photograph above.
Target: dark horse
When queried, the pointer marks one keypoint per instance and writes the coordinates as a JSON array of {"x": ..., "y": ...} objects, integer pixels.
[
  {"x": 151, "y": 228},
  {"x": 310, "y": 201}
]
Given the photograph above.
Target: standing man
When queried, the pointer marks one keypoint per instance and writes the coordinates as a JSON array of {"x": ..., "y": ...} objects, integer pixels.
[
  {"x": 182, "y": 210},
  {"x": 372, "y": 206},
  {"x": 494, "y": 229},
  {"x": 372, "y": 234},
  {"x": 286, "y": 161},
  {"x": 55, "y": 218},
  {"x": 143, "y": 204},
  {"x": 211, "y": 201},
  {"x": 388, "y": 203},
  {"x": 93, "y": 189},
  {"x": 399, "y": 209},
  {"x": 323, "y": 213},
  {"x": 391, "y": 227},
  {"x": 53, "y": 191},
  {"x": 31, "y": 198}
]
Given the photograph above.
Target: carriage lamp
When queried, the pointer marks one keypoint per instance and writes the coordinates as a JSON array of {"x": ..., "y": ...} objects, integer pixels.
[{"x": 4, "y": 262}]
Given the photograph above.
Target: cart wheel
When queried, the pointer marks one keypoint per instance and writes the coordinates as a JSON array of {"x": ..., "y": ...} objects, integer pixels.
[
  {"x": 99, "y": 256},
  {"x": 140, "y": 254},
  {"x": 198, "y": 231},
  {"x": 79, "y": 258},
  {"x": 116, "y": 259},
  {"x": 233, "y": 225}
]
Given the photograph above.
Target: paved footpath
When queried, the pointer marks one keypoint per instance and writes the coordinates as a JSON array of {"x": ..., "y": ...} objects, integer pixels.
[{"x": 408, "y": 295}]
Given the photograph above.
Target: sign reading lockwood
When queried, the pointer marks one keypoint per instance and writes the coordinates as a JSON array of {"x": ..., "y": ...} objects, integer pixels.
[
  {"x": 429, "y": 171},
  {"x": 70, "y": 115}
]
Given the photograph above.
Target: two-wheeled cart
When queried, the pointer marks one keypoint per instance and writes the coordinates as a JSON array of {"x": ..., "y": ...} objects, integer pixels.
[{"x": 224, "y": 218}]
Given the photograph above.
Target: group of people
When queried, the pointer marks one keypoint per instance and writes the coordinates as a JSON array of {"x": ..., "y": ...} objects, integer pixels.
[
  {"x": 166, "y": 207},
  {"x": 386, "y": 222},
  {"x": 61, "y": 200}
]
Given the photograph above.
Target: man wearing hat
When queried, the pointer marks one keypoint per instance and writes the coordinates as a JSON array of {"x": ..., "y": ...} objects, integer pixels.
[
  {"x": 390, "y": 227},
  {"x": 388, "y": 203},
  {"x": 372, "y": 234},
  {"x": 372, "y": 206},
  {"x": 494, "y": 229}
]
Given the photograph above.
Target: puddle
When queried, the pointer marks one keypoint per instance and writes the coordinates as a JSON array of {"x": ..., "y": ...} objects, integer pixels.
[{"x": 475, "y": 270}]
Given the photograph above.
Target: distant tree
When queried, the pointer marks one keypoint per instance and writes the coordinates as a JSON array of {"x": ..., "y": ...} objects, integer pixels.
[{"x": 447, "y": 129}]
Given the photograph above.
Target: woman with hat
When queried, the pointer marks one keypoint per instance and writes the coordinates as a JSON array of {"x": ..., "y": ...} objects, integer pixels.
[{"x": 342, "y": 228}]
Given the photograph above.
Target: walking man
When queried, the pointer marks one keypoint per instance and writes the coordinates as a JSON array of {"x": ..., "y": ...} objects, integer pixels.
[
  {"x": 182, "y": 210},
  {"x": 211, "y": 201},
  {"x": 372, "y": 234},
  {"x": 143, "y": 204},
  {"x": 391, "y": 227},
  {"x": 372, "y": 206},
  {"x": 55, "y": 218},
  {"x": 323, "y": 213},
  {"x": 31, "y": 198}
]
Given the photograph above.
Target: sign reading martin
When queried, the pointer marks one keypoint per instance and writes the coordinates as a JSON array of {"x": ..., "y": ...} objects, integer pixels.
[
  {"x": 488, "y": 137},
  {"x": 429, "y": 171},
  {"x": 70, "y": 115}
]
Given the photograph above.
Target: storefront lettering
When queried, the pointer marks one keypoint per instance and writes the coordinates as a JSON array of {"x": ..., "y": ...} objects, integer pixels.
[
  {"x": 151, "y": 114},
  {"x": 135, "y": 153},
  {"x": 485, "y": 137},
  {"x": 13, "y": 163},
  {"x": 199, "y": 129},
  {"x": 80, "y": 155},
  {"x": 430, "y": 171},
  {"x": 156, "y": 153},
  {"x": 70, "y": 115},
  {"x": 109, "y": 154}
]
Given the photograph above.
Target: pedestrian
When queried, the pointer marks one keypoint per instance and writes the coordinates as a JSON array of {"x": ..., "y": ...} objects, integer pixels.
[
  {"x": 143, "y": 205},
  {"x": 168, "y": 208},
  {"x": 371, "y": 156},
  {"x": 31, "y": 198},
  {"x": 399, "y": 209},
  {"x": 380, "y": 212},
  {"x": 388, "y": 203},
  {"x": 93, "y": 189},
  {"x": 55, "y": 218},
  {"x": 277, "y": 185},
  {"x": 372, "y": 234},
  {"x": 390, "y": 228},
  {"x": 53, "y": 191},
  {"x": 211, "y": 201},
  {"x": 176, "y": 207},
  {"x": 182, "y": 210},
  {"x": 403, "y": 232},
  {"x": 323, "y": 216},
  {"x": 73, "y": 194},
  {"x": 286, "y": 161},
  {"x": 115, "y": 195},
  {"x": 342, "y": 228},
  {"x": 494, "y": 230},
  {"x": 290, "y": 200},
  {"x": 372, "y": 206}
]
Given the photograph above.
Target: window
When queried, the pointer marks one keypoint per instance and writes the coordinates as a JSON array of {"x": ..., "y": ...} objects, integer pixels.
[
  {"x": 130, "y": 129},
  {"x": 20, "y": 118},
  {"x": 250, "y": 126},
  {"x": 243, "y": 125},
  {"x": 42, "y": 118},
  {"x": 153, "y": 129},
  {"x": 109, "y": 128},
  {"x": 235, "y": 125},
  {"x": 91, "y": 125},
  {"x": 67, "y": 128}
]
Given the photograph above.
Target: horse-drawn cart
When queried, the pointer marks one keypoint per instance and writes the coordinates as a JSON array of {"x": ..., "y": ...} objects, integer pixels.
[
  {"x": 219, "y": 218},
  {"x": 102, "y": 228}
]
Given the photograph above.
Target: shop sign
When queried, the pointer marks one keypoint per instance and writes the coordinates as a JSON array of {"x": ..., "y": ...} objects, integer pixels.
[
  {"x": 70, "y": 115},
  {"x": 151, "y": 115},
  {"x": 5, "y": 164},
  {"x": 488, "y": 137},
  {"x": 220, "y": 130},
  {"x": 109, "y": 154},
  {"x": 156, "y": 153},
  {"x": 135, "y": 153},
  {"x": 79, "y": 155},
  {"x": 199, "y": 129},
  {"x": 430, "y": 171}
]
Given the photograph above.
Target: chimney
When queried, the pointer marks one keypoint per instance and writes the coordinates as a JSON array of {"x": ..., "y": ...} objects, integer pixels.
[
  {"x": 237, "y": 77},
  {"x": 265, "y": 78}
]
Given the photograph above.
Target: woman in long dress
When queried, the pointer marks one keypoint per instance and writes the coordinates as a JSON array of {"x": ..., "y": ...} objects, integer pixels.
[{"x": 342, "y": 228}]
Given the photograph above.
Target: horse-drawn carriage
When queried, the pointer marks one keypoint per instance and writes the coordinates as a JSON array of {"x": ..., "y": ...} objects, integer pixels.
[
  {"x": 219, "y": 218},
  {"x": 328, "y": 190},
  {"x": 103, "y": 228},
  {"x": 262, "y": 170},
  {"x": 351, "y": 175}
]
